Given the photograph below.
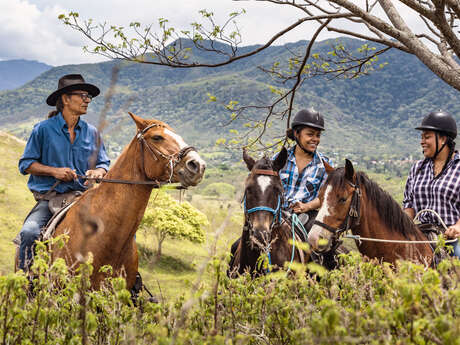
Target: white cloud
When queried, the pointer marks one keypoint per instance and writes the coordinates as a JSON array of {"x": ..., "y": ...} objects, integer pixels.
[{"x": 30, "y": 28}]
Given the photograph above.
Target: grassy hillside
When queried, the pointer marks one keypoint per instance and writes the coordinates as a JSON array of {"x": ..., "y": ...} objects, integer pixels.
[{"x": 15, "y": 200}]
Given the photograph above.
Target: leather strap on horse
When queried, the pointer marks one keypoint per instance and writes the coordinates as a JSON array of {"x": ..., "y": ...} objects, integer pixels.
[
  {"x": 353, "y": 216},
  {"x": 155, "y": 184},
  {"x": 265, "y": 172}
]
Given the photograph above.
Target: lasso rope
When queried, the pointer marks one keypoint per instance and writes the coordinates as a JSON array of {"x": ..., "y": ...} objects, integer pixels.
[{"x": 359, "y": 238}]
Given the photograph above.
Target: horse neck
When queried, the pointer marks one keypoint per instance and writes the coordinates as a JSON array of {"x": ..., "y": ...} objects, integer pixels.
[
  {"x": 127, "y": 201},
  {"x": 372, "y": 226}
]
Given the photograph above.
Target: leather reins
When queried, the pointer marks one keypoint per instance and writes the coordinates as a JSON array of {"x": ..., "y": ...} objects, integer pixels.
[{"x": 172, "y": 161}]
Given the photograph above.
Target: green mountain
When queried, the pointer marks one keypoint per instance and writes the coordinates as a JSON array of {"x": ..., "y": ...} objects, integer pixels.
[
  {"x": 15, "y": 73},
  {"x": 370, "y": 116}
]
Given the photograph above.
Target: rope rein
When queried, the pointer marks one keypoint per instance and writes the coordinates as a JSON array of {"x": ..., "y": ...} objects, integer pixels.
[{"x": 359, "y": 238}]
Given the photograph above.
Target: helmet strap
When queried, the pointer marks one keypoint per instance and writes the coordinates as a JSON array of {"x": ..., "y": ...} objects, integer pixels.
[
  {"x": 303, "y": 148},
  {"x": 438, "y": 150}
]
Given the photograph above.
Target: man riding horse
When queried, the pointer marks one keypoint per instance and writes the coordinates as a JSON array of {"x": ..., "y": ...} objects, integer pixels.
[{"x": 59, "y": 149}]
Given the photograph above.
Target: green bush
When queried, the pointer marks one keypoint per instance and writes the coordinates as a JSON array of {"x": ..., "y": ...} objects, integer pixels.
[
  {"x": 361, "y": 303},
  {"x": 220, "y": 189}
]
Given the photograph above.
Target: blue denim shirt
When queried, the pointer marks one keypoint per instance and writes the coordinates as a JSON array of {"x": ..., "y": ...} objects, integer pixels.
[
  {"x": 49, "y": 144},
  {"x": 303, "y": 185}
]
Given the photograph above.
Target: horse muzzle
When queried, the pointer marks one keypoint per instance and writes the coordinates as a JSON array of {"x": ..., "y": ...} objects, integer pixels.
[{"x": 191, "y": 171}]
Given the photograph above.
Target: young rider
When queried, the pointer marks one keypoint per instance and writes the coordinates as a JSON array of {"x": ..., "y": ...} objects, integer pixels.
[{"x": 305, "y": 168}]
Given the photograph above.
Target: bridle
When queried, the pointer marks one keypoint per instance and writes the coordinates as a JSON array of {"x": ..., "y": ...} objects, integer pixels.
[
  {"x": 353, "y": 215},
  {"x": 276, "y": 212},
  {"x": 172, "y": 159}
]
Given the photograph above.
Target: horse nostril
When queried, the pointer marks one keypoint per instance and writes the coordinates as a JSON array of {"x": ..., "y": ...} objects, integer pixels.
[{"x": 193, "y": 166}]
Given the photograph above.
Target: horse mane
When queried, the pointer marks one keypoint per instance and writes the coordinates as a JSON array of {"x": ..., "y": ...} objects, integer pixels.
[{"x": 389, "y": 210}]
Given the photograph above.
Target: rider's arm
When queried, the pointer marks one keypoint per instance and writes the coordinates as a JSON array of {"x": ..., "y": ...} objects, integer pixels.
[
  {"x": 453, "y": 231},
  {"x": 313, "y": 205},
  {"x": 410, "y": 212},
  {"x": 300, "y": 207},
  {"x": 63, "y": 174}
]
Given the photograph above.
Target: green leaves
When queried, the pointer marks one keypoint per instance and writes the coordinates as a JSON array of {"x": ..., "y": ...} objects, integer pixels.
[{"x": 166, "y": 217}]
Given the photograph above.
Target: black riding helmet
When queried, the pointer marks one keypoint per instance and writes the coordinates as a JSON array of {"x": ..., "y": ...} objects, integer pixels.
[
  {"x": 439, "y": 121},
  {"x": 308, "y": 117},
  {"x": 305, "y": 118}
]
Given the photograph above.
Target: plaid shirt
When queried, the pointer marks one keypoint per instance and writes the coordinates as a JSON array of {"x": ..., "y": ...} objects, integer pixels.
[
  {"x": 302, "y": 186},
  {"x": 441, "y": 194}
]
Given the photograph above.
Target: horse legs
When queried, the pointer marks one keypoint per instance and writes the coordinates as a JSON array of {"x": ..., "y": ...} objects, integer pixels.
[
  {"x": 130, "y": 264},
  {"x": 233, "y": 259}
]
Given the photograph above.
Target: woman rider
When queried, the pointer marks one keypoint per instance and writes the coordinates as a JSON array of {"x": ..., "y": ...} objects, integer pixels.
[
  {"x": 305, "y": 168},
  {"x": 304, "y": 171},
  {"x": 434, "y": 182}
]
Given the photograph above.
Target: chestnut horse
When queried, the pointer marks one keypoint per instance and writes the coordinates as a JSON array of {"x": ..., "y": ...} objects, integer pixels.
[
  {"x": 264, "y": 229},
  {"x": 156, "y": 153},
  {"x": 351, "y": 200}
]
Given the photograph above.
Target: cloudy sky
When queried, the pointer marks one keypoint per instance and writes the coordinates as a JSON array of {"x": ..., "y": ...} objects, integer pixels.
[{"x": 31, "y": 30}]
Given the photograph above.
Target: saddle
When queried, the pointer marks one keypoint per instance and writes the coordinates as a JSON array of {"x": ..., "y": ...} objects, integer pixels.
[
  {"x": 58, "y": 205},
  {"x": 431, "y": 232}
]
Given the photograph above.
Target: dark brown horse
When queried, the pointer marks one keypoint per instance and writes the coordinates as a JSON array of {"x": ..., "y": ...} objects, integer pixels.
[
  {"x": 155, "y": 154},
  {"x": 351, "y": 200},
  {"x": 264, "y": 229}
]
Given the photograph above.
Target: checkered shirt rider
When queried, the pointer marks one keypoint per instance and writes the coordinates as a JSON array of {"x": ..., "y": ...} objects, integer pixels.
[{"x": 440, "y": 194}]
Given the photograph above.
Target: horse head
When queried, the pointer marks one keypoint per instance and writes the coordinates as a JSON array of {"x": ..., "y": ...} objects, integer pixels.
[
  {"x": 340, "y": 198},
  {"x": 263, "y": 197},
  {"x": 165, "y": 157}
]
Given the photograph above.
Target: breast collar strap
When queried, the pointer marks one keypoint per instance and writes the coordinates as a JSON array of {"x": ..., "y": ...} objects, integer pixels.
[
  {"x": 353, "y": 216},
  {"x": 172, "y": 159}
]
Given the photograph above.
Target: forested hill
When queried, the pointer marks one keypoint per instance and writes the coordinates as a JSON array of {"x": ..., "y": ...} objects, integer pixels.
[
  {"x": 15, "y": 73},
  {"x": 371, "y": 115}
]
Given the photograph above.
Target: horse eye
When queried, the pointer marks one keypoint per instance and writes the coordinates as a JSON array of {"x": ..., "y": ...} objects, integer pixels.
[
  {"x": 157, "y": 138},
  {"x": 342, "y": 200}
]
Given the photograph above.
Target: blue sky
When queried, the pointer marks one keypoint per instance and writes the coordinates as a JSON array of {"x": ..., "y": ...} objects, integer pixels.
[{"x": 30, "y": 28}]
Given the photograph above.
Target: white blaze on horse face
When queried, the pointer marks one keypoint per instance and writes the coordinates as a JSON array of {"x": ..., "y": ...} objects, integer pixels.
[
  {"x": 263, "y": 182},
  {"x": 177, "y": 138},
  {"x": 317, "y": 232}
]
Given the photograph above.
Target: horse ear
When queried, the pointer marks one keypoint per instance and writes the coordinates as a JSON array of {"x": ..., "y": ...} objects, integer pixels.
[
  {"x": 140, "y": 122},
  {"x": 328, "y": 168},
  {"x": 248, "y": 160},
  {"x": 280, "y": 160},
  {"x": 349, "y": 170}
]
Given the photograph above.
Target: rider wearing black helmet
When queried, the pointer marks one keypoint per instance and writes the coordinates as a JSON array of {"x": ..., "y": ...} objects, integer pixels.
[
  {"x": 434, "y": 182},
  {"x": 305, "y": 168}
]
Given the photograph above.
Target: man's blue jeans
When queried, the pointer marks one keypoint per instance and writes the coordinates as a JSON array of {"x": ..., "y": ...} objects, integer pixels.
[{"x": 37, "y": 219}]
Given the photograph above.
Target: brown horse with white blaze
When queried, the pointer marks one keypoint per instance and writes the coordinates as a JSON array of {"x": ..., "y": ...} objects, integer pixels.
[
  {"x": 156, "y": 153},
  {"x": 350, "y": 200},
  {"x": 265, "y": 230}
]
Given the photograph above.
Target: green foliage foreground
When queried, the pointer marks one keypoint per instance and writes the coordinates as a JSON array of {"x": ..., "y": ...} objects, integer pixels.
[{"x": 363, "y": 302}]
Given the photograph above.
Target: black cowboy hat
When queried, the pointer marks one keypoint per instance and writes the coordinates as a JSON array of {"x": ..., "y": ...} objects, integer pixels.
[{"x": 71, "y": 82}]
